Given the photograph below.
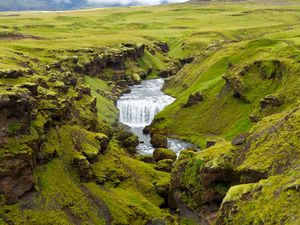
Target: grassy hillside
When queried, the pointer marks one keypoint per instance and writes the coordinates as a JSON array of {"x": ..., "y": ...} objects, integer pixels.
[{"x": 64, "y": 159}]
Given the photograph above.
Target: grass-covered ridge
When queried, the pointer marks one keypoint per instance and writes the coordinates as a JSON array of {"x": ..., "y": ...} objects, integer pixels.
[{"x": 65, "y": 160}]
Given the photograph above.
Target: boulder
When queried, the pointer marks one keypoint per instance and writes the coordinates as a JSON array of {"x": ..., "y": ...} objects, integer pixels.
[
  {"x": 163, "y": 153},
  {"x": 187, "y": 60},
  {"x": 104, "y": 142},
  {"x": 90, "y": 152},
  {"x": 147, "y": 159},
  {"x": 131, "y": 150},
  {"x": 210, "y": 143},
  {"x": 159, "y": 141},
  {"x": 164, "y": 165},
  {"x": 162, "y": 46},
  {"x": 147, "y": 129},
  {"x": 239, "y": 140},
  {"x": 132, "y": 141},
  {"x": 193, "y": 99}
]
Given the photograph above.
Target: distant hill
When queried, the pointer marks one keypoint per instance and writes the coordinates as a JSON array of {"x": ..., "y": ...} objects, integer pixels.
[
  {"x": 23, "y": 5},
  {"x": 17, "y": 5}
]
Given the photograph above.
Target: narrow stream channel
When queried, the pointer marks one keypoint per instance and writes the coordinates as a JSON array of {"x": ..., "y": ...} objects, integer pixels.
[{"x": 138, "y": 109}]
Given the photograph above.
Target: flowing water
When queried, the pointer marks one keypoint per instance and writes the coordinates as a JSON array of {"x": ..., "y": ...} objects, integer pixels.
[{"x": 138, "y": 109}]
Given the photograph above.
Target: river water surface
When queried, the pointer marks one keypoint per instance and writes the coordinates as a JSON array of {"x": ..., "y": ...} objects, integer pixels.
[{"x": 138, "y": 109}]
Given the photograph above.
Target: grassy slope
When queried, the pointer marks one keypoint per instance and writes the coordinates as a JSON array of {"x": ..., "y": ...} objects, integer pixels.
[{"x": 188, "y": 29}]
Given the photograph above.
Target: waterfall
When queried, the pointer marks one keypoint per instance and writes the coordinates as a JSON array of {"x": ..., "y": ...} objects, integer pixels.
[{"x": 138, "y": 108}]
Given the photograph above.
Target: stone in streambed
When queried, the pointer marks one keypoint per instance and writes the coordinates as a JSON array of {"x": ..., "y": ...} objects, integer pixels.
[{"x": 159, "y": 141}]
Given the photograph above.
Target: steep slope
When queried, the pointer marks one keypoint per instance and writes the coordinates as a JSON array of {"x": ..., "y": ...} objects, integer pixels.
[
  {"x": 62, "y": 160},
  {"x": 65, "y": 160},
  {"x": 253, "y": 182},
  {"x": 240, "y": 84}
]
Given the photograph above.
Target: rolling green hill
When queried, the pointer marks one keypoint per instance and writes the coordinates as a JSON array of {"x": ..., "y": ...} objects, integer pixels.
[{"x": 64, "y": 158}]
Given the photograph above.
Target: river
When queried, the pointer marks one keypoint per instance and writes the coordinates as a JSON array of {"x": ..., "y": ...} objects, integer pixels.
[{"x": 138, "y": 109}]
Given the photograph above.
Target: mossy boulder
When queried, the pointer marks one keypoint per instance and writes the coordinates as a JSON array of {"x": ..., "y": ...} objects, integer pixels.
[
  {"x": 147, "y": 158},
  {"x": 164, "y": 165},
  {"x": 163, "y": 153},
  {"x": 132, "y": 141},
  {"x": 162, "y": 46},
  {"x": 159, "y": 141}
]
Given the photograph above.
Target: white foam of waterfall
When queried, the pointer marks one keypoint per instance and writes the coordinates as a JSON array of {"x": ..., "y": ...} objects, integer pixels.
[{"x": 138, "y": 109}]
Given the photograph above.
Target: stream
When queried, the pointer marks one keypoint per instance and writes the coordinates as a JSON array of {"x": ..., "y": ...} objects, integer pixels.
[{"x": 138, "y": 109}]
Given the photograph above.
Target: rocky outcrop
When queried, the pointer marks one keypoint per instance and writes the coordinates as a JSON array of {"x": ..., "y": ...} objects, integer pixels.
[
  {"x": 16, "y": 177},
  {"x": 82, "y": 167},
  {"x": 162, "y": 46},
  {"x": 271, "y": 101},
  {"x": 15, "y": 109},
  {"x": 239, "y": 140},
  {"x": 236, "y": 85},
  {"x": 200, "y": 181},
  {"x": 113, "y": 58},
  {"x": 15, "y": 73},
  {"x": 193, "y": 99},
  {"x": 269, "y": 151}
]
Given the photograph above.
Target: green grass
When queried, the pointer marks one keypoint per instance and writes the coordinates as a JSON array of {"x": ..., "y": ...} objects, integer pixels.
[{"x": 217, "y": 34}]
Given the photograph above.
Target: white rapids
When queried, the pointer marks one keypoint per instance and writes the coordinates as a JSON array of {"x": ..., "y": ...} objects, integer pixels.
[{"x": 138, "y": 109}]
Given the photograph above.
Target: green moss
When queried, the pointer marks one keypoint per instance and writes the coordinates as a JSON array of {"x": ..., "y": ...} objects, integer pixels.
[
  {"x": 219, "y": 156},
  {"x": 106, "y": 111},
  {"x": 129, "y": 187},
  {"x": 13, "y": 128},
  {"x": 60, "y": 200},
  {"x": 249, "y": 78},
  {"x": 268, "y": 201},
  {"x": 274, "y": 144}
]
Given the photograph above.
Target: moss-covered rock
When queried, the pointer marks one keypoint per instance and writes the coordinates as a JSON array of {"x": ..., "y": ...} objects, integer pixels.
[
  {"x": 269, "y": 151},
  {"x": 164, "y": 165},
  {"x": 159, "y": 141},
  {"x": 163, "y": 153},
  {"x": 147, "y": 158},
  {"x": 268, "y": 202}
]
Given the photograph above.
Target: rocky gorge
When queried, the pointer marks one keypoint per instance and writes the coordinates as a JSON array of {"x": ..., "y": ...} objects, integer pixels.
[{"x": 176, "y": 114}]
